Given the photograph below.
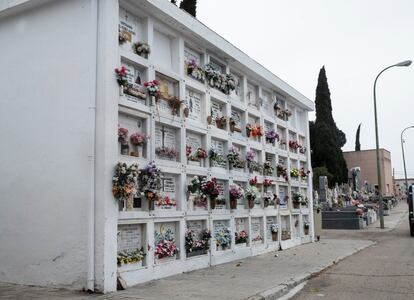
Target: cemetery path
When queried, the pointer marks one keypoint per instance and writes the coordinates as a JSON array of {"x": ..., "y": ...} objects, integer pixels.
[
  {"x": 378, "y": 269},
  {"x": 382, "y": 271}
]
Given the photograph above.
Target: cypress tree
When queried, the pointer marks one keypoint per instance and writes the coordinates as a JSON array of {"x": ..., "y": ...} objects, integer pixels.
[
  {"x": 357, "y": 143},
  {"x": 189, "y": 6},
  {"x": 325, "y": 138}
]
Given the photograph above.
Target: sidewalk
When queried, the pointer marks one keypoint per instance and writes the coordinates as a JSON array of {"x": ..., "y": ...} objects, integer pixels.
[{"x": 267, "y": 276}]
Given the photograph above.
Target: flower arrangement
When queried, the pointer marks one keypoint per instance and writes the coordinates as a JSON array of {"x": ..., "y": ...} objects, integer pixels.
[
  {"x": 121, "y": 76},
  {"x": 303, "y": 174},
  {"x": 130, "y": 257},
  {"x": 233, "y": 125},
  {"x": 250, "y": 155},
  {"x": 195, "y": 184},
  {"x": 221, "y": 122},
  {"x": 253, "y": 165},
  {"x": 197, "y": 243},
  {"x": 296, "y": 199},
  {"x": 302, "y": 149},
  {"x": 122, "y": 37},
  {"x": 271, "y": 136},
  {"x": 233, "y": 155},
  {"x": 294, "y": 173},
  {"x": 222, "y": 237},
  {"x": 281, "y": 113},
  {"x": 306, "y": 225},
  {"x": 251, "y": 192},
  {"x": 257, "y": 238},
  {"x": 209, "y": 187},
  {"x": 224, "y": 83},
  {"x": 142, "y": 49},
  {"x": 268, "y": 199},
  {"x": 254, "y": 130},
  {"x": 166, "y": 201},
  {"x": 267, "y": 182},
  {"x": 268, "y": 170},
  {"x": 253, "y": 181},
  {"x": 153, "y": 88},
  {"x": 139, "y": 139},
  {"x": 124, "y": 181},
  {"x": 216, "y": 157},
  {"x": 199, "y": 154},
  {"x": 150, "y": 182},
  {"x": 165, "y": 244},
  {"x": 166, "y": 152},
  {"x": 122, "y": 135},
  {"x": 236, "y": 191},
  {"x": 274, "y": 227},
  {"x": 282, "y": 171},
  {"x": 285, "y": 234},
  {"x": 195, "y": 71},
  {"x": 241, "y": 237},
  {"x": 293, "y": 145},
  {"x": 174, "y": 103}
]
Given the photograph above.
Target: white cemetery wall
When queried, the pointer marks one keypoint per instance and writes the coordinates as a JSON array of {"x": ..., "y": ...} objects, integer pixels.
[{"x": 47, "y": 129}]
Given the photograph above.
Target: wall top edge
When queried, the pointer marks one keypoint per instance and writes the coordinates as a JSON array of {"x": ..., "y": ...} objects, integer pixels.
[{"x": 187, "y": 25}]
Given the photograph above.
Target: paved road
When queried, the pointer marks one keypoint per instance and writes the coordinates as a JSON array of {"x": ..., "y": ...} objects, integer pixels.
[{"x": 382, "y": 271}]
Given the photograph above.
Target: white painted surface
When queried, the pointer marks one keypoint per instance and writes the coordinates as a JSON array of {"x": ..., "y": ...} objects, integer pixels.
[{"x": 45, "y": 128}]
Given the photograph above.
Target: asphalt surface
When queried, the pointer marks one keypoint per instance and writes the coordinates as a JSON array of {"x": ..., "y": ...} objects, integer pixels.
[{"x": 382, "y": 271}]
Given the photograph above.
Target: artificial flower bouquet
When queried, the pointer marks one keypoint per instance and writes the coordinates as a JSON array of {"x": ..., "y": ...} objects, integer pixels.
[
  {"x": 197, "y": 243},
  {"x": 195, "y": 70},
  {"x": 241, "y": 237},
  {"x": 222, "y": 238},
  {"x": 142, "y": 49},
  {"x": 271, "y": 136},
  {"x": 165, "y": 244},
  {"x": 130, "y": 256}
]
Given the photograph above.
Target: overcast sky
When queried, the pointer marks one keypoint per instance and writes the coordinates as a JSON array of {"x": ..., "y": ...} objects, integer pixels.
[{"x": 354, "y": 39}]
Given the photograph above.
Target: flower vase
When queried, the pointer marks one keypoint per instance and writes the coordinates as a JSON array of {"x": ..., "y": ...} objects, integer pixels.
[
  {"x": 248, "y": 132},
  {"x": 130, "y": 203},
  {"x": 266, "y": 203},
  {"x": 306, "y": 230},
  {"x": 140, "y": 150},
  {"x": 124, "y": 149},
  {"x": 121, "y": 90},
  {"x": 233, "y": 203},
  {"x": 274, "y": 236},
  {"x": 209, "y": 120},
  {"x": 151, "y": 204},
  {"x": 153, "y": 100},
  {"x": 251, "y": 202},
  {"x": 213, "y": 203}
]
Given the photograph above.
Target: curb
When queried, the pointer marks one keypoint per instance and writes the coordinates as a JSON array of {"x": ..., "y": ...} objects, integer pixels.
[{"x": 282, "y": 289}]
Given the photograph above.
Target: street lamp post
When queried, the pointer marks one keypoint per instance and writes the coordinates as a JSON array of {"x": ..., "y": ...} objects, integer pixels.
[
  {"x": 405, "y": 168},
  {"x": 405, "y": 63}
]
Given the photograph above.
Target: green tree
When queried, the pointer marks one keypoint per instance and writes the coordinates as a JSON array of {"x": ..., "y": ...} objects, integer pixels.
[
  {"x": 357, "y": 143},
  {"x": 189, "y": 6},
  {"x": 325, "y": 138}
]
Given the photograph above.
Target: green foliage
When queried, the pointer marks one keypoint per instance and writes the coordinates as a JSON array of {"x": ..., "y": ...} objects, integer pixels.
[
  {"x": 320, "y": 171},
  {"x": 325, "y": 138},
  {"x": 357, "y": 143},
  {"x": 189, "y": 6}
]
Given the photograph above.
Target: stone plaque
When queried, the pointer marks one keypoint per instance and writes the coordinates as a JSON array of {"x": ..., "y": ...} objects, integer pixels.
[
  {"x": 216, "y": 110},
  {"x": 282, "y": 196},
  {"x": 269, "y": 222},
  {"x": 237, "y": 91},
  {"x": 221, "y": 196},
  {"x": 256, "y": 229},
  {"x": 129, "y": 237},
  {"x": 220, "y": 224},
  {"x": 251, "y": 95},
  {"x": 190, "y": 54},
  {"x": 135, "y": 77},
  {"x": 237, "y": 117},
  {"x": 130, "y": 27},
  {"x": 267, "y": 104},
  {"x": 241, "y": 224},
  {"x": 219, "y": 146},
  {"x": 193, "y": 103},
  {"x": 196, "y": 226}
]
